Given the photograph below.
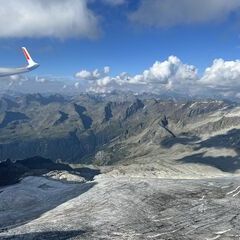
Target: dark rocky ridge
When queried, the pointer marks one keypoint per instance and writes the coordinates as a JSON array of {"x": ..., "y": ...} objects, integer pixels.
[
  {"x": 43, "y": 100},
  {"x": 137, "y": 105}
]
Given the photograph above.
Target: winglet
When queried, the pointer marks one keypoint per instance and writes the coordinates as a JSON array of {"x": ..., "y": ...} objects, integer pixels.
[{"x": 30, "y": 61}]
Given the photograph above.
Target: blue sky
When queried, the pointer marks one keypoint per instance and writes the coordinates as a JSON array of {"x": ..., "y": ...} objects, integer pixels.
[
  {"x": 126, "y": 46},
  {"x": 161, "y": 45}
]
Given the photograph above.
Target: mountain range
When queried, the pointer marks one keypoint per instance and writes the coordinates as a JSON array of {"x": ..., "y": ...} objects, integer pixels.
[
  {"x": 118, "y": 166},
  {"x": 121, "y": 129}
]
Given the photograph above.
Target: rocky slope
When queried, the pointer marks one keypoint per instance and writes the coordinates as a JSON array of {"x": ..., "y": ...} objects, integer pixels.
[{"x": 164, "y": 137}]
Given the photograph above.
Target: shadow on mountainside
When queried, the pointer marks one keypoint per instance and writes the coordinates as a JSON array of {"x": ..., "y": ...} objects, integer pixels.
[
  {"x": 59, "y": 235},
  {"x": 225, "y": 164},
  {"x": 184, "y": 140},
  {"x": 229, "y": 140},
  {"x": 12, "y": 172},
  {"x": 87, "y": 173}
]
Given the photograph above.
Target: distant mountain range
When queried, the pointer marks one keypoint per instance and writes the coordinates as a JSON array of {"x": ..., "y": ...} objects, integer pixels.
[{"x": 118, "y": 128}]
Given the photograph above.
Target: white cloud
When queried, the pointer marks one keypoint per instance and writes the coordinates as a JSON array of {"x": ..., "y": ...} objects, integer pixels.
[
  {"x": 92, "y": 76},
  {"x": 15, "y": 77},
  {"x": 76, "y": 85},
  {"x": 161, "y": 76},
  {"x": 84, "y": 74},
  {"x": 167, "y": 72},
  {"x": 53, "y": 18},
  {"x": 167, "y": 13},
  {"x": 222, "y": 74},
  {"x": 41, "y": 79},
  {"x": 106, "y": 69},
  {"x": 221, "y": 79}
]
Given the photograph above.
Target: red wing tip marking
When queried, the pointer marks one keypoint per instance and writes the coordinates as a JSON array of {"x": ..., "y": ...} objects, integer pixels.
[{"x": 26, "y": 54}]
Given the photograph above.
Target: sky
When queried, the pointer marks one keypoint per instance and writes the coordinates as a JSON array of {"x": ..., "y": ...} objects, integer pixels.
[{"x": 184, "y": 46}]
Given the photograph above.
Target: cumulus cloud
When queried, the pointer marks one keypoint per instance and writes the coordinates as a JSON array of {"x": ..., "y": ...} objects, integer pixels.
[
  {"x": 161, "y": 76},
  {"x": 222, "y": 74},
  {"x": 53, "y": 18},
  {"x": 167, "y": 13},
  {"x": 167, "y": 72},
  {"x": 222, "y": 79},
  {"x": 94, "y": 75}
]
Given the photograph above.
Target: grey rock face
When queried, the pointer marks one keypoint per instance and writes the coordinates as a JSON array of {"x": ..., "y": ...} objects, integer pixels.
[
  {"x": 137, "y": 105},
  {"x": 65, "y": 176}
]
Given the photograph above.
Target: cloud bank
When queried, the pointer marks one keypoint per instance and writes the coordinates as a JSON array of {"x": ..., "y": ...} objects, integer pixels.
[
  {"x": 222, "y": 78},
  {"x": 59, "y": 19},
  {"x": 168, "y": 13},
  {"x": 171, "y": 77}
]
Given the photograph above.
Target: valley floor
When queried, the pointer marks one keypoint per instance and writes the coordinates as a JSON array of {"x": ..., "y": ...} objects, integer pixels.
[{"x": 121, "y": 208}]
